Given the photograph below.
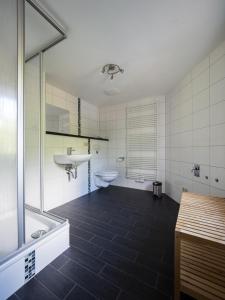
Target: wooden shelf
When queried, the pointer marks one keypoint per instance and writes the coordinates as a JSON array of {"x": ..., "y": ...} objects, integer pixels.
[
  {"x": 77, "y": 136},
  {"x": 200, "y": 247}
]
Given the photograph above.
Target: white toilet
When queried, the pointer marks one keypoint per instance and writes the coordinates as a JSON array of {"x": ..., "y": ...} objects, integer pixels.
[{"x": 104, "y": 178}]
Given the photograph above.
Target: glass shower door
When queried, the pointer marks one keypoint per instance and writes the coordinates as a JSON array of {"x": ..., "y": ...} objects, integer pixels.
[
  {"x": 32, "y": 102},
  {"x": 8, "y": 128}
]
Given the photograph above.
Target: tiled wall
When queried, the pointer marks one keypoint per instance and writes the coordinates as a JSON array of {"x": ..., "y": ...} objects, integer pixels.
[
  {"x": 58, "y": 190},
  {"x": 65, "y": 101},
  {"x": 89, "y": 119},
  {"x": 89, "y": 114},
  {"x": 113, "y": 126},
  {"x": 195, "y": 129}
]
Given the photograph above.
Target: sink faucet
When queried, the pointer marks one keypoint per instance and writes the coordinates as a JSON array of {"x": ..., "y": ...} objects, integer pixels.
[{"x": 70, "y": 150}]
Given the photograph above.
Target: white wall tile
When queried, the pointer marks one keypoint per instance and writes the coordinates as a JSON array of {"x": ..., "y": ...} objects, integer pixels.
[
  {"x": 201, "y": 82},
  {"x": 202, "y": 66},
  {"x": 201, "y": 100},
  {"x": 217, "y": 70},
  {"x": 201, "y": 119},
  {"x": 217, "y": 135},
  {"x": 217, "y": 53},
  {"x": 201, "y": 155},
  {"x": 201, "y": 137},
  {"x": 218, "y": 113},
  {"x": 217, "y": 156},
  {"x": 206, "y": 111},
  {"x": 217, "y": 177},
  {"x": 217, "y": 92}
]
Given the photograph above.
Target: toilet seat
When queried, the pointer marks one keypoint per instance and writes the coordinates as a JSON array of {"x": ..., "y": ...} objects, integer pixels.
[{"x": 104, "y": 178}]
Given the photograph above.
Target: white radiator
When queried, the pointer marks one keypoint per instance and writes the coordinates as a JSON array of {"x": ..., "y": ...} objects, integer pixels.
[{"x": 141, "y": 142}]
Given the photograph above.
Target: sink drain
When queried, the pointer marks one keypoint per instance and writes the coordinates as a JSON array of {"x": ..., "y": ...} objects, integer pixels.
[{"x": 38, "y": 233}]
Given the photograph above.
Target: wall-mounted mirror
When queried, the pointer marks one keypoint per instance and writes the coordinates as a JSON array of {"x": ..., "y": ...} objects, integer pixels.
[{"x": 57, "y": 119}]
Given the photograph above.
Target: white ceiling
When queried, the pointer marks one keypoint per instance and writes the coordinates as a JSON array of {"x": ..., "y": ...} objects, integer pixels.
[{"x": 156, "y": 42}]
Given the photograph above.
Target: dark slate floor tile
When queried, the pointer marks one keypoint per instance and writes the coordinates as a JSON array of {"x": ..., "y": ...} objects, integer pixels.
[
  {"x": 85, "y": 259},
  {"x": 79, "y": 294},
  {"x": 85, "y": 246},
  {"x": 34, "y": 290},
  {"x": 59, "y": 261},
  {"x": 74, "y": 222},
  {"x": 98, "y": 231},
  {"x": 116, "y": 248},
  {"x": 133, "y": 244},
  {"x": 122, "y": 222},
  {"x": 127, "y": 296},
  {"x": 129, "y": 283},
  {"x": 86, "y": 235},
  {"x": 93, "y": 283},
  {"x": 13, "y": 297},
  {"x": 156, "y": 264},
  {"x": 55, "y": 281},
  {"x": 114, "y": 229},
  {"x": 165, "y": 285},
  {"x": 134, "y": 269},
  {"x": 142, "y": 243}
]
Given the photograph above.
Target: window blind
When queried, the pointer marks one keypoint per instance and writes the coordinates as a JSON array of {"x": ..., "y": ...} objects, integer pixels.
[{"x": 141, "y": 142}]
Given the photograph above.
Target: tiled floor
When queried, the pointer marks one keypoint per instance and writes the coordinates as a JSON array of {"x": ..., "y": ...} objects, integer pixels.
[{"x": 122, "y": 243}]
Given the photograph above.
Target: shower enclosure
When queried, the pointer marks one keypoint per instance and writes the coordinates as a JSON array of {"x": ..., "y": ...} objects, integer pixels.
[{"x": 30, "y": 238}]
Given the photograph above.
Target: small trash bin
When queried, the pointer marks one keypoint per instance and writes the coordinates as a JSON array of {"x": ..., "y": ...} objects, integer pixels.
[{"x": 157, "y": 189}]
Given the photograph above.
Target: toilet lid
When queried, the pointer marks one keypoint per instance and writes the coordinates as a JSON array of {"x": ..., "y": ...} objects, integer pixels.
[{"x": 106, "y": 173}]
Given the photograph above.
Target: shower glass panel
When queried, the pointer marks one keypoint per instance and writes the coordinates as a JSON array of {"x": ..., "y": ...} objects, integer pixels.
[
  {"x": 32, "y": 98},
  {"x": 8, "y": 127},
  {"x": 38, "y": 31}
]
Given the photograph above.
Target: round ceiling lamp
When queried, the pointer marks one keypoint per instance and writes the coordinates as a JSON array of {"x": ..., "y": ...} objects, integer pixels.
[{"x": 112, "y": 70}]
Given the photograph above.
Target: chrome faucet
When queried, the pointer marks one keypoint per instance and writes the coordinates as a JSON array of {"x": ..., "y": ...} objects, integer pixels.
[{"x": 70, "y": 150}]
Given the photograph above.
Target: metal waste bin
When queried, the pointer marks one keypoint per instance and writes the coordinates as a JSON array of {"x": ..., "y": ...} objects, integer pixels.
[{"x": 157, "y": 189}]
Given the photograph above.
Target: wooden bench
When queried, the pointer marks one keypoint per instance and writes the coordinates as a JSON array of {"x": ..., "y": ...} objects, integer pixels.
[{"x": 200, "y": 247}]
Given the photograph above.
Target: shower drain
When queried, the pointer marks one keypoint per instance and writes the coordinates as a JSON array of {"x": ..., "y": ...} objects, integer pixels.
[{"x": 38, "y": 233}]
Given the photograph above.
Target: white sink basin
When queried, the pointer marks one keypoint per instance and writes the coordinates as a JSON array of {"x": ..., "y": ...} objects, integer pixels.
[{"x": 73, "y": 159}]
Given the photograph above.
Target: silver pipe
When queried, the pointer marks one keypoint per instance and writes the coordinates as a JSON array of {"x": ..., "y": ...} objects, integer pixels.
[{"x": 20, "y": 123}]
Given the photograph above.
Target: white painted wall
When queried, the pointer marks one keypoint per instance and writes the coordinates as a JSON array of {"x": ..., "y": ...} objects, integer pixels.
[
  {"x": 195, "y": 129},
  {"x": 113, "y": 126}
]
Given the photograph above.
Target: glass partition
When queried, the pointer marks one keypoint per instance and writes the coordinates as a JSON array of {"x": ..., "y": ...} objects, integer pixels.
[
  {"x": 32, "y": 99},
  {"x": 21, "y": 120},
  {"x": 8, "y": 127},
  {"x": 39, "y": 33}
]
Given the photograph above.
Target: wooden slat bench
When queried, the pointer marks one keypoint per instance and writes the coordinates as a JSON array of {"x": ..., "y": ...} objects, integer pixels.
[{"x": 200, "y": 247}]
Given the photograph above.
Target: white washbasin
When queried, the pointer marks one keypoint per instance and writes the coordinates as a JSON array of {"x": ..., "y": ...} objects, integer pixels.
[{"x": 73, "y": 159}]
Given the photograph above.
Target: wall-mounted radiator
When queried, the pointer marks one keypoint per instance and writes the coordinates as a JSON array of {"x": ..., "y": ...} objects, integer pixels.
[{"x": 141, "y": 142}]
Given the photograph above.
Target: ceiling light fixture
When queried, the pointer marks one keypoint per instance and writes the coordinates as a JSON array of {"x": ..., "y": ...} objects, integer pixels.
[{"x": 111, "y": 70}]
